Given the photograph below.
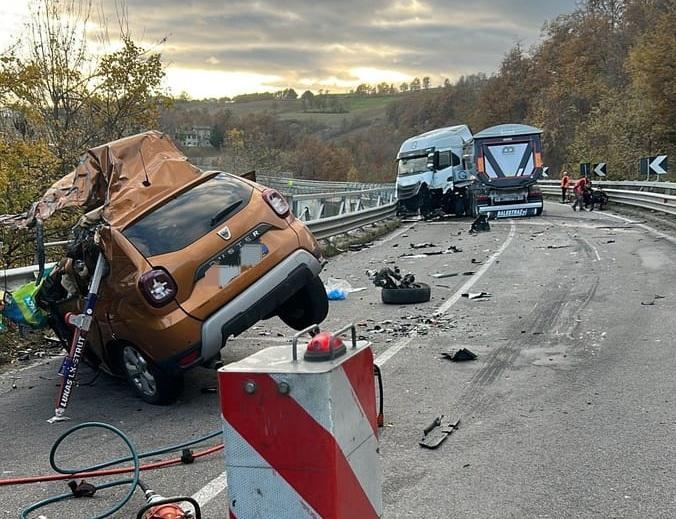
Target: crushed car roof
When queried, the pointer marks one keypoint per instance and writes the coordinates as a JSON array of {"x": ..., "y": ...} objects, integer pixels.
[{"x": 125, "y": 177}]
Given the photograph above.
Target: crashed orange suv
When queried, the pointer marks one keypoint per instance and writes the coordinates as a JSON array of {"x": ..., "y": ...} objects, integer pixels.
[{"x": 193, "y": 258}]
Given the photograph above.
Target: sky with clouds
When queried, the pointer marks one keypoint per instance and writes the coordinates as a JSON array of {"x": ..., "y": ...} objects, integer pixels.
[{"x": 227, "y": 47}]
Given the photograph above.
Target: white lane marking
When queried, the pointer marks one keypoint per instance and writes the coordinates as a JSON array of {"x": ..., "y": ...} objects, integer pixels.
[
  {"x": 205, "y": 494},
  {"x": 643, "y": 226},
  {"x": 393, "y": 350},
  {"x": 398, "y": 346},
  {"x": 482, "y": 270}
]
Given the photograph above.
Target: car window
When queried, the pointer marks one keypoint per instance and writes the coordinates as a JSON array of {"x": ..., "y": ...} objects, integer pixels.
[{"x": 189, "y": 216}]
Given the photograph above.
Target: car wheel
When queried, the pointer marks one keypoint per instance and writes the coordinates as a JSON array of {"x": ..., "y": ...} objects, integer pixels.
[
  {"x": 149, "y": 382},
  {"x": 538, "y": 211},
  {"x": 306, "y": 307},
  {"x": 418, "y": 293}
]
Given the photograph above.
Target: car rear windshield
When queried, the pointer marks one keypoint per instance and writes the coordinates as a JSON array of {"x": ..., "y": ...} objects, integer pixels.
[{"x": 189, "y": 216}]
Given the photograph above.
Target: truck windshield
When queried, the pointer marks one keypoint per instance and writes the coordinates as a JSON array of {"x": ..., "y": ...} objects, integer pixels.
[{"x": 412, "y": 166}]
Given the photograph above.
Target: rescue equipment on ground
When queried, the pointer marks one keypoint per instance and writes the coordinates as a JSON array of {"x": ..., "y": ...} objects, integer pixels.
[{"x": 81, "y": 323}]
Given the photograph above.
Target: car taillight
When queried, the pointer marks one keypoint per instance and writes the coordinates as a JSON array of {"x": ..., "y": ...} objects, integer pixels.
[
  {"x": 158, "y": 287},
  {"x": 277, "y": 202},
  {"x": 483, "y": 198}
]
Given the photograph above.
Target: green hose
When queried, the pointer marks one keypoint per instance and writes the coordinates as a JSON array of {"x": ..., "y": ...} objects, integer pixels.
[{"x": 134, "y": 456}]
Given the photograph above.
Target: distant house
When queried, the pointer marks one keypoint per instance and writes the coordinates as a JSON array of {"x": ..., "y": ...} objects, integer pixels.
[{"x": 195, "y": 137}]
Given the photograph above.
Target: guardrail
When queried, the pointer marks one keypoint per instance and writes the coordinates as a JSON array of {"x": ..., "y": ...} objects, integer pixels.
[
  {"x": 655, "y": 196},
  {"x": 327, "y": 208}
]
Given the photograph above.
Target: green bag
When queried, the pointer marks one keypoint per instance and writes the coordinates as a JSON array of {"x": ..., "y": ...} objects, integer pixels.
[{"x": 21, "y": 308}]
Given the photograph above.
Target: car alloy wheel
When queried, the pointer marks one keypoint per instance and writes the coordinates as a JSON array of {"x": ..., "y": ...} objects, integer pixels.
[{"x": 138, "y": 372}]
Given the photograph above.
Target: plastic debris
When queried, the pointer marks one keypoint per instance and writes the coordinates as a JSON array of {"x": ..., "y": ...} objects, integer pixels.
[
  {"x": 476, "y": 295},
  {"x": 337, "y": 289},
  {"x": 422, "y": 245}
]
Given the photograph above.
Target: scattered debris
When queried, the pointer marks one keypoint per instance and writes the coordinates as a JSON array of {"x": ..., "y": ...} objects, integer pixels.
[
  {"x": 476, "y": 295},
  {"x": 444, "y": 275},
  {"x": 557, "y": 246},
  {"x": 651, "y": 303},
  {"x": 422, "y": 245},
  {"x": 391, "y": 278},
  {"x": 468, "y": 273},
  {"x": 453, "y": 248},
  {"x": 337, "y": 289},
  {"x": 436, "y": 432},
  {"x": 461, "y": 355},
  {"x": 610, "y": 241},
  {"x": 480, "y": 225},
  {"x": 476, "y": 261}
]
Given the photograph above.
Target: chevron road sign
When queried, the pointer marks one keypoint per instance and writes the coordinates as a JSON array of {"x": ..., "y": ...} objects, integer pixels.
[
  {"x": 657, "y": 165},
  {"x": 600, "y": 169}
]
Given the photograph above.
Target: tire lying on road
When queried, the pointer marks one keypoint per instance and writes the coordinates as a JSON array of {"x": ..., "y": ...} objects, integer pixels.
[{"x": 417, "y": 293}]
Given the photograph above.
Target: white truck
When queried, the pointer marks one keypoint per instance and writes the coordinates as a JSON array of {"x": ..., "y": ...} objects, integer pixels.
[{"x": 431, "y": 172}]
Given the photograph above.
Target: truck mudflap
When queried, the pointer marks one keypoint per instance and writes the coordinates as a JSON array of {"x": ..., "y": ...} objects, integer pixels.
[{"x": 511, "y": 210}]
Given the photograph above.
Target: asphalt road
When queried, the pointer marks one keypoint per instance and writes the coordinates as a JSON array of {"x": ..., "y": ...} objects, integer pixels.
[{"x": 568, "y": 412}]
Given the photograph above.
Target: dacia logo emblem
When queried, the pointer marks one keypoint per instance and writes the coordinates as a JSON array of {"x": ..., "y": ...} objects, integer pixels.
[{"x": 225, "y": 233}]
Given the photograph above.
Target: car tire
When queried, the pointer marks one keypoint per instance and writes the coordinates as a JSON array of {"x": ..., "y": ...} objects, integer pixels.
[
  {"x": 308, "y": 306},
  {"x": 418, "y": 293},
  {"x": 538, "y": 211},
  {"x": 148, "y": 381}
]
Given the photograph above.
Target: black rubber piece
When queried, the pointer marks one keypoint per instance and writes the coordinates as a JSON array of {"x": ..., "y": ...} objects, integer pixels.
[{"x": 418, "y": 293}]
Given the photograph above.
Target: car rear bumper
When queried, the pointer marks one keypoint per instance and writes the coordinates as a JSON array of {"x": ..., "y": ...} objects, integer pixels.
[{"x": 258, "y": 301}]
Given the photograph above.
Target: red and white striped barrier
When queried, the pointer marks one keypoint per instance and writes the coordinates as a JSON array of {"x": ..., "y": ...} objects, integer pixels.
[{"x": 301, "y": 438}]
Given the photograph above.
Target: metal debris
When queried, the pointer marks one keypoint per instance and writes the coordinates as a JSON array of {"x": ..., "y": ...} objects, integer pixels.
[
  {"x": 477, "y": 295},
  {"x": 436, "y": 432},
  {"x": 391, "y": 278}
]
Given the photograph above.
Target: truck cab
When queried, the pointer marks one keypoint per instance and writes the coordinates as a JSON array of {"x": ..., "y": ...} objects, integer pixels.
[
  {"x": 508, "y": 163},
  {"x": 431, "y": 173}
]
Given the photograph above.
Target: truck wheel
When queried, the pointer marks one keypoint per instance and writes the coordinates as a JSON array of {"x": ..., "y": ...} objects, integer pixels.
[
  {"x": 425, "y": 199},
  {"x": 418, "y": 293},
  {"x": 306, "y": 307},
  {"x": 458, "y": 206},
  {"x": 150, "y": 382}
]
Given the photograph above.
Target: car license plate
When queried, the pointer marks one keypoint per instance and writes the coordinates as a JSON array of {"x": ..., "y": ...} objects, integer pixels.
[{"x": 510, "y": 197}]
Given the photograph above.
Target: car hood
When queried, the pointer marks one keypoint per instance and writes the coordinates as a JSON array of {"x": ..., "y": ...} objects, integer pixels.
[{"x": 124, "y": 178}]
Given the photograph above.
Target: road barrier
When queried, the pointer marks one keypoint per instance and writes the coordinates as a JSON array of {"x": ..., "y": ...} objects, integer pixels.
[{"x": 654, "y": 196}]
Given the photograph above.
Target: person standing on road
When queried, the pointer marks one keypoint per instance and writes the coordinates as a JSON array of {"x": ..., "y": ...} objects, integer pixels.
[
  {"x": 578, "y": 190},
  {"x": 565, "y": 182}
]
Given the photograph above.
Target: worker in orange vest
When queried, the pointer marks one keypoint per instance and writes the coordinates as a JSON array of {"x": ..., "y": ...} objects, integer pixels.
[
  {"x": 578, "y": 189},
  {"x": 565, "y": 182}
]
